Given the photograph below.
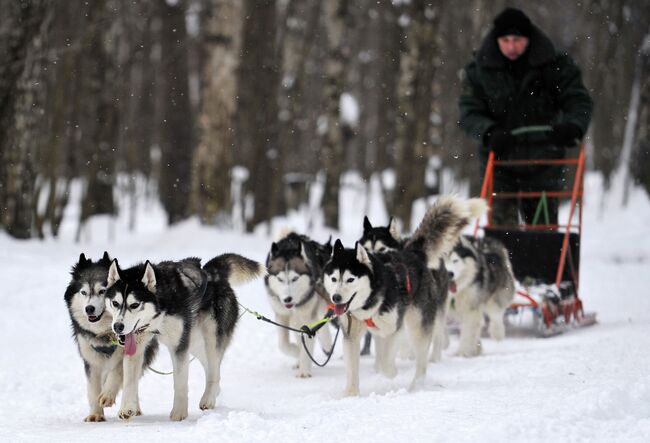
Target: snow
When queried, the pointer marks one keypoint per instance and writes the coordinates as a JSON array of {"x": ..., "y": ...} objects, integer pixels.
[{"x": 587, "y": 385}]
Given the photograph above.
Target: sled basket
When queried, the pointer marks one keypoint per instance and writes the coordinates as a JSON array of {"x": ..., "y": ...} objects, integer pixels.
[{"x": 545, "y": 258}]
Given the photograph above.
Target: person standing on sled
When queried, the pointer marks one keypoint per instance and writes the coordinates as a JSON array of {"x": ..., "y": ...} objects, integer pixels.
[{"x": 518, "y": 79}]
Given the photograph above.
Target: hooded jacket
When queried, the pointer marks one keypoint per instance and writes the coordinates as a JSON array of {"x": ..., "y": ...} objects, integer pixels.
[{"x": 547, "y": 91}]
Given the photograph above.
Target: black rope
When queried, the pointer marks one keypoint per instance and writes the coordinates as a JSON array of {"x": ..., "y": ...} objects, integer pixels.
[{"x": 329, "y": 354}]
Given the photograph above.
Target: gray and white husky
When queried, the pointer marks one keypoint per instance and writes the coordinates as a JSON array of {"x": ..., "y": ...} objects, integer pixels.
[
  {"x": 384, "y": 292},
  {"x": 481, "y": 283},
  {"x": 293, "y": 283},
  {"x": 188, "y": 308},
  {"x": 91, "y": 329}
]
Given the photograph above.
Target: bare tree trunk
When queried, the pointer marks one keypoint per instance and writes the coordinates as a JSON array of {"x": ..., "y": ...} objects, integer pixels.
[
  {"x": 640, "y": 164},
  {"x": 337, "y": 20},
  {"x": 415, "y": 98},
  {"x": 257, "y": 117},
  {"x": 23, "y": 40},
  {"x": 213, "y": 159},
  {"x": 177, "y": 125}
]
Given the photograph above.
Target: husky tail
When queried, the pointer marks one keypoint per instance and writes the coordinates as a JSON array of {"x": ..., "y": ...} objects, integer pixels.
[
  {"x": 442, "y": 225},
  {"x": 233, "y": 268}
]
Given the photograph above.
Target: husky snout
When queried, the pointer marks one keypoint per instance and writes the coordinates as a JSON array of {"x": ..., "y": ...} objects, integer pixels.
[
  {"x": 337, "y": 298},
  {"x": 118, "y": 327}
]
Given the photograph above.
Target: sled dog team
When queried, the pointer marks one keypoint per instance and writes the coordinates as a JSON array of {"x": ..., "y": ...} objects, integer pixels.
[{"x": 394, "y": 288}]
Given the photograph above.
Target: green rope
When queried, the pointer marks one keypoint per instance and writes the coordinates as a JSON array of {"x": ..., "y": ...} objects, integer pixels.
[
  {"x": 543, "y": 204},
  {"x": 528, "y": 129}
]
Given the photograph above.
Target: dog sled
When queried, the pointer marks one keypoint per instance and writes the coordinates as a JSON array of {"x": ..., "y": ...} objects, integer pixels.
[{"x": 545, "y": 257}]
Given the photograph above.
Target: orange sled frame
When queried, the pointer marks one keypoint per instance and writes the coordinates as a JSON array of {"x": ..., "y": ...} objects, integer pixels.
[{"x": 563, "y": 309}]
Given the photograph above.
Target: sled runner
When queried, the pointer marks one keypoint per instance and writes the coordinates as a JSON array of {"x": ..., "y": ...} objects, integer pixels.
[{"x": 545, "y": 257}]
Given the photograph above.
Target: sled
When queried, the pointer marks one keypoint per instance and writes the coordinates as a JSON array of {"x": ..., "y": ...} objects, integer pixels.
[{"x": 545, "y": 257}]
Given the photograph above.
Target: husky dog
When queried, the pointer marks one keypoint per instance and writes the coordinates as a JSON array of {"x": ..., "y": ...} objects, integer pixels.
[
  {"x": 382, "y": 239},
  {"x": 295, "y": 265},
  {"x": 190, "y": 309},
  {"x": 91, "y": 328},
  {"x": 481, "y": 282},
  {"x": 383, "y": 292}
]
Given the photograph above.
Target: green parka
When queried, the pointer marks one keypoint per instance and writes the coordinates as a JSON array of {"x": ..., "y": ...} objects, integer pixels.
[{"x": 551, "y": 91}]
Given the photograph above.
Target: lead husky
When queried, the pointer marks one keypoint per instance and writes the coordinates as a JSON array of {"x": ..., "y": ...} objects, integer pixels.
[
  {"x": 190, "y": 310},
  {"x": 295, "y": 266},
  {"x": 481, "y": 282},
  {"x": 384, "y": 293},
  {"x": 382, "y": 239},
  {"x": 91, "y": 329}
]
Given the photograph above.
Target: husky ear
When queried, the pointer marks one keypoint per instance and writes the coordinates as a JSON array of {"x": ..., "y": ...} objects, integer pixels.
[
  {"x": 338, "y": 247},
  {"x": 366, "y": 224},
  {"x": 274, "y": 249},
  {"x": 82, "y": 259},
  {"x": 362, "y": 254},
  {"x": 113, "y": 273},
  {"x": 149, "y": 277},
  {"x": 106, "y": 257},
  {"x": 393, "y": 230},
  {"x": 328, "y": 246}
]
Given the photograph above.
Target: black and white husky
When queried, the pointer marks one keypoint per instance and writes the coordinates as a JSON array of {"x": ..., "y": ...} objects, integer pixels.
[
  {"x": 91, "y": 329},
  {"x": 383, "y": 292},
  {"x": 293, "y": 283},
  {"x": 382, "y": 239},
  {"x": 188, "y": 308},
  {"x": 481, "y": 283}
]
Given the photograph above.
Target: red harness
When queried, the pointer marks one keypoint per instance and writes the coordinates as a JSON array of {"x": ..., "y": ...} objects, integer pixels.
[{"x": 370, "y": 322}]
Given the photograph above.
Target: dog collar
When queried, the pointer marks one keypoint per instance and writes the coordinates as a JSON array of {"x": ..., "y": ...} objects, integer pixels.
[{"x": 107, "y": 350}]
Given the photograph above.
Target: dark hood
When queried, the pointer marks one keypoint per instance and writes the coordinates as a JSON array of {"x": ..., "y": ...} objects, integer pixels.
[{"x": 540, "y": 50}]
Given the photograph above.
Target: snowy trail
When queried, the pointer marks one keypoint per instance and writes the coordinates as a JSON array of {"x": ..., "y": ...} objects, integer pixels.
[{"x": 589, "y": 385}]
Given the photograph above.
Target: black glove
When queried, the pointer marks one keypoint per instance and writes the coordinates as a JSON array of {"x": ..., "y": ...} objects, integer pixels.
[
  {"x": 565, "y": 134},
  {"x": 500, "y": 140}
]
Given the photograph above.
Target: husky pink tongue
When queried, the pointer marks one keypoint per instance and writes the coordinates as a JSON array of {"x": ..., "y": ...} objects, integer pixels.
[
  {"x": 340, "y": 309},
  {"x": 452, "y": 287},
  {"x": 129, "y": 344}
]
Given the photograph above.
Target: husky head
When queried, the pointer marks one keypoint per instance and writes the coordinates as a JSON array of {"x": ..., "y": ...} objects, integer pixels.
[
  {"x": 131, "y": 300},
  {"x": 87, "y": 290},
  {"x": 462, "y": 265},
  {"x": 347, "y": 277},
  {"x": 290, "y": 272},
  {"x": 380, "y": 239}
]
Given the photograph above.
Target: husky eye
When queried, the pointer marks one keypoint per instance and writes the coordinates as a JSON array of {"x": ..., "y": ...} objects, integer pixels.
[
  {"x": 115, "y": 304},
  {"x": 383, "y": 249},
  {"x": 102, "y": 291},
  {"x": 134, "y": 305},
  {"x": 280, "y": 279},
  {"x": 334, "y": 279},
  {"x": 294, "y": 279},
  {"x": 350, "y": 280},
  {"x": 84, "y": 293}
]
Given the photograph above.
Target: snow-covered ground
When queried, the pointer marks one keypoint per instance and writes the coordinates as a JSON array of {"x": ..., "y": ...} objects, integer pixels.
[{"x": 591, "y": 384}]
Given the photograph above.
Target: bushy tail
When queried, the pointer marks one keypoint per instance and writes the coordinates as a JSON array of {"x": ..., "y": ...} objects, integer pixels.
[
  {"x": 442, "y": 225},
  {"x": 234, "y": 268}
]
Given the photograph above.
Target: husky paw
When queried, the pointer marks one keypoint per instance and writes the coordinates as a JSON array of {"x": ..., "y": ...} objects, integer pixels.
[
  {"x": 469, "y": 352},
  {"x": 207, "y": 402},
  {"x": 178, "y": 414},
  {"x": 497, "y": 332},
  {"x": 390, "y": 372},
  {"x": 301, "y": 374},
  {"x": 351, "y": 392},
  {"x": 95, "y": 418},
  {"x": 107, "y": 399},
  {"x": 127, "y": 413}
]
